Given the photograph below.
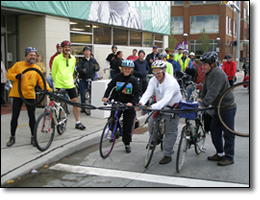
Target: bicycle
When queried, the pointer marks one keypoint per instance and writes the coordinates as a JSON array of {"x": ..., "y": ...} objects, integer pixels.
[
  {"x": 184, "y": 80},
  {"x": 110, "y": 132},
  {"x": 54, "y": 115},
  {"x": 191, "y": 136},
  {"x": 195, "y": 91}
]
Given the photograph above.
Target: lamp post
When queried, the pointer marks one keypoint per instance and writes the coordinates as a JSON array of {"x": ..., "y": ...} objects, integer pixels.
[
  {"x": 185, "y": 35},
  {"x": 217, "y": 49}
]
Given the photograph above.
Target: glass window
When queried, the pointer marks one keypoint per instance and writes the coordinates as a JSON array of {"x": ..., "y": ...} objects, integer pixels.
[
  {"x": 159, "y": 44},
  {"x": 212, "y": 1},
  {"x": 77, "y": 51},
  {"x": 177, "y": 23},
  {"x": 194, "y": 2},
  {"x": 178, "y": 2},
  {"x": 209, "y": 22},
  {"x": 80, "y": 38},
  {"x": 158, "y": 37},
  {"x": 148, "y": 39},
  {"x": 80, "y": 27},
  {"x": 229, "y": 26},
  {"x": 102, "y": 35},
  {"x": 226, "y": 24},
  {"x": 119, "y": 37},
  {"x": 135, "y": 38},
  {"x": 195, "y": 46},
  {"x": 2, "y": 21}
]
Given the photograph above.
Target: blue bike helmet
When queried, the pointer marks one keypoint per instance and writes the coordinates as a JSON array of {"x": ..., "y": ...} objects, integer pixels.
[
  {"x": 29, "y": 49},
  {"x": 128, "y": 63}
]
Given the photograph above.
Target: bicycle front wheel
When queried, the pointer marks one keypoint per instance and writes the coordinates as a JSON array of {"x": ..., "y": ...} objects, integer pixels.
[
  {"x": 150, "y": 147},
  {"x": 200, "y": 141},
  {"x": 87, "y": 98},
  {"x": 182, "y": 149},
  {"x": 108, "y": 139},
  {"x": 44, "y": 131}
]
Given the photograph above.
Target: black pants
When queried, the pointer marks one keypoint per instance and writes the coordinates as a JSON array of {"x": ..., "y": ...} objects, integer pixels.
[
  {"x": 16, "y": 108},
  {"x": 128, "y": 122}
]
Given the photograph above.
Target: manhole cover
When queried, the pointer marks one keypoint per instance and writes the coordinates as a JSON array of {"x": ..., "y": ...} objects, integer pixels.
[{"x": 140, "y": 130}]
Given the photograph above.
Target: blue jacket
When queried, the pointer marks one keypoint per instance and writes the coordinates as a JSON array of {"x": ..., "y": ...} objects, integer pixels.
[
  {"x": 141, "y": 68},
  {"x": 175, "y": 66}
]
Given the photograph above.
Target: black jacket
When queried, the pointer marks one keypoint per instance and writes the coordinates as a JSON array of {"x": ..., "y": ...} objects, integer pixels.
[
  {"x": 116, "y": 64},
  {"x": 148, "y": 57},
  {"x": 129, "y": 94},
  {"x": 87, "y": 68}
]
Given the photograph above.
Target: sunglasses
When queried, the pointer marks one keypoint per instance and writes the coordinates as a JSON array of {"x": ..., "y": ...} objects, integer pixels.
[{"x": 155, "y": 73}]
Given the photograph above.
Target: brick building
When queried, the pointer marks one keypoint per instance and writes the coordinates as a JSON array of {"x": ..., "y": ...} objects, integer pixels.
[{"x": 219, "y": 21}]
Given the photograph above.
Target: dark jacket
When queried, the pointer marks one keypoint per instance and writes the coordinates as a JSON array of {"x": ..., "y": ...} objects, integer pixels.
[
  {"x": 214, "y": 86},
  {"x": 116, "y": 64},
  {"x": 87, "y": 68},
  {"x": 148, "y": 57},
  {"x": 129, "y": 94},
  {"x": 141, "y": 68}
]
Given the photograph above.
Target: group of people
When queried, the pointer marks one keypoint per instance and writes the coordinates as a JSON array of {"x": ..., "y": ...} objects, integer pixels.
[{"x": 163, "y": 84}]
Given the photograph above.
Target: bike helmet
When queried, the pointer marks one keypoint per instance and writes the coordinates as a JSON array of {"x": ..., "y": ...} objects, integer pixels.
[
  {"x": 229, "y": 56},
  {"x": 86, "y": 48},
  {"x": 128, "y": 63},
  {"x": 58, "y": 45},
  {"x": 65, "y": 43},
  {"x": 163, "y": 55},
  {"x": 185, "y": 51},
  {"x": 209, "y": 57},
  {"x": 159, "y": 64},
  {"x": 29, "y": 49}
]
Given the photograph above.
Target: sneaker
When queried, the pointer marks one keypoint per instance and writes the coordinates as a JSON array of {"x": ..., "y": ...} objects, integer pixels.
[
  {"x": 225, "y": 162},
  {"x": 82, "y": 111},
  {"x": 165, "y": 160},
  {"x": 127, "y": 148},
  {"x": 80, "y": 126},
  {"x": 215, "y": 157},
  {"x": 11, "y": 141},
  {"x": 32, "y": 141}
]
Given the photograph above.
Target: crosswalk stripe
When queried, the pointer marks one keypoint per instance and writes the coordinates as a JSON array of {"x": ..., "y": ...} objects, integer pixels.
[{"x": 178, "y": 181}]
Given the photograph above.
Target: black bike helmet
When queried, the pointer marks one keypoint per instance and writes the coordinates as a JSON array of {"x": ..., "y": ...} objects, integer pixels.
[{"x": 209, "y": 57}]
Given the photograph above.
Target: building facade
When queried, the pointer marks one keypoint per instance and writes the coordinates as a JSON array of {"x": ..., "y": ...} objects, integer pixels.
[
  {"x": 219, "y": 21},
  {"x": 98, "y": 24}
]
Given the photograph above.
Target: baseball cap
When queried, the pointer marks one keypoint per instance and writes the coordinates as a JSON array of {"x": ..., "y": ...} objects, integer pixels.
[{"x": 155, "y": 46}]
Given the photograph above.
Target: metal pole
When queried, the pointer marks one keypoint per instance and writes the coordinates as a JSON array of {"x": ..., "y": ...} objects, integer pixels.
[{"x": 238, "y": 36}]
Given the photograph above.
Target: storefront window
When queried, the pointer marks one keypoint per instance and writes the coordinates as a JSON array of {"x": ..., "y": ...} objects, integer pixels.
[
  {"x": 119, "y": 37},
  {"x": 177, "y": 23},
  {"x": 135, "y": 38},
  {"x": 80, "y": 38},
  {"x": 209, "y": 22},
  {"x": 102, "y": 35},
  {"x": 148, "y": 40},
  {"x": 80, "y": 27}
]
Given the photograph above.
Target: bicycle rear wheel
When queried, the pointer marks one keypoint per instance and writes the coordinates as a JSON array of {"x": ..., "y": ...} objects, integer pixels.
[
  {"x": 87, "y": 98},
  {"x": 44, "y": 131},
  {"x": 182, "y": 148},
  {"x": 108, "y": 138},
  {"x": 200, "y": 141},
  {"x": 150, "y": 147},
  {"x": 62, "y": 120}
]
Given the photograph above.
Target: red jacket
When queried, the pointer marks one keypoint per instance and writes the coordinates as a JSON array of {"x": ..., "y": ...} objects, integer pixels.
[
  {"x": 52, "y": 58},
  {"x": 230, "y": 69}
]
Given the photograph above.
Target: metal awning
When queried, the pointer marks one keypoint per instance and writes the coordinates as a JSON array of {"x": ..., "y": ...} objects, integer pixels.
[{"x": 15, "y": 11}]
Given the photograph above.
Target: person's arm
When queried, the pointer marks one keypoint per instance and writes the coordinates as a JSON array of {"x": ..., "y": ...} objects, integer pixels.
[
  {"x": 136, "y": 92},
  {"x": 54, "y": 69},
  {"x": 11, "y": 73},
  {"x": 148, "y": 93},
  {"x": 110, "y": 86}
]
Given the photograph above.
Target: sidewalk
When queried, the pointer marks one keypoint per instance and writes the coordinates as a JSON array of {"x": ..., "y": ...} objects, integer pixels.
[{"x": 22, "y": 157}]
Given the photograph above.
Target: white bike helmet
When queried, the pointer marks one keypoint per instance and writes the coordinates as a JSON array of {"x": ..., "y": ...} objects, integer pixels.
[{"x": 159, "y": 64}]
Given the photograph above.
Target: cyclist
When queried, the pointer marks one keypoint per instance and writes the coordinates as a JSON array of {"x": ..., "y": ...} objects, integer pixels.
[
  {"x": 86, "y": 68},
  {"x": 129, "y": 95},
  {"x": 28, "y": 81},
  {"x": 245, "y": 67},
  {"x": 178, "y": 55},
  {"x": 174, "y": 64},
  {"x": 167, "y": 91},
  {"x": 62, "y": 73},
  {"x": 169, "y": 67},
  {"x": 214, "y": 86},
  {"x": 229, "y": 67},
  {"x": 192, "y": 59},
  {"x": 184, "y": 61}
]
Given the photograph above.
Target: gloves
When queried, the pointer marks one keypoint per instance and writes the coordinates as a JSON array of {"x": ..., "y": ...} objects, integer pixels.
[{"x": 18, "y": 76}]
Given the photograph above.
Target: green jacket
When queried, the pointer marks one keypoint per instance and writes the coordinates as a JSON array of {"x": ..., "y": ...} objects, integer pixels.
[
  {"x": 169, "y": 68},
  {"x": 62, "y": 71},
  {"x": 177, "y": 57}
]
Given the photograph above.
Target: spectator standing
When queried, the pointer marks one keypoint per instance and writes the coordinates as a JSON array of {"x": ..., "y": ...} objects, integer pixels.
[
  {"x": 86, "y": 67},
  {"x": 140, "y": 71},
  {"x": 109, "y": 60},
  {"x": 134, "y": 56},
  {"x": 117, "y": 63},
  {"x": 229, "y": 67},
  {"x": 179, "y": 54},
  {"x": 192, "y": 59},
  {"x": 62, "y": 73},
  {"x": 245, "y": 66},
  {"x": 3, "y": 82},
  {"x": 174, "y": 64},
  {"x": 28, "y": 83},
  {"x": 49, "y": 78},
  {"x": 150, "y": 58},
  {"x": 184, "y": 61}
]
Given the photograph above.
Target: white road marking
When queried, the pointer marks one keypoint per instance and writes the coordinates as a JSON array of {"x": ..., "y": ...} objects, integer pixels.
[{"x": 183, "y": 182}]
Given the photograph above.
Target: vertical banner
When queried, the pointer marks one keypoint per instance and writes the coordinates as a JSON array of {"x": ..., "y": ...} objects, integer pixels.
[{"x": 184, "y": 45}]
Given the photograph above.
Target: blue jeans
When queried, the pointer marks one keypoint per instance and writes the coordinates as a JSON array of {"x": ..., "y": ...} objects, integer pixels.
[
  {"x": 216, "y": 127},
  {"x": 83, "y": 85},
  {"x": 50, "y": 82},
  {"x": 189, "y": 91}
]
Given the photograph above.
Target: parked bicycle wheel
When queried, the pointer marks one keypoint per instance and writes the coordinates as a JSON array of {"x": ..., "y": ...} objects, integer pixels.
[
  {"x": 62, "y": 120},
  {"x": 44, "y": 131},
  {"x": 184, "y": 94},
  {"x": 151, "y": 146},
  {"x": 20, "y": 91},
  {"x": 108, "y": 139},
  {"x": 182, "y": 148},
  {"x": 87, "y": 97},
  {"x": 200, "y": 141}
]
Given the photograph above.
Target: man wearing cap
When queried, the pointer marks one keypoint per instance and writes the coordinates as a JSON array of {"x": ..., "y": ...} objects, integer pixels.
[
  {"x": 174, "y": 64},
  {"x": 140, "y": 70},
  {"x": 178, "y": 55},
  {"x": 229, "y": 67},
  {"x": 150, "y": 58},
  {"x": 184, "y": 61},
  {"x": 110, "y": 58}
]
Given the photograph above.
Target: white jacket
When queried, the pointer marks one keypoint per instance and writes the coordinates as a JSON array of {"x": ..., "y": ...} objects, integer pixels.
[
  {"x": 3, "y": 73},
  {"x": 167, "y": 93}
]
